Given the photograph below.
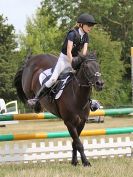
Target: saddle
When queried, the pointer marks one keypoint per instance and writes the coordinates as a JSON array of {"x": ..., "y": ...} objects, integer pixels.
[{"x": 57, "y": 89}]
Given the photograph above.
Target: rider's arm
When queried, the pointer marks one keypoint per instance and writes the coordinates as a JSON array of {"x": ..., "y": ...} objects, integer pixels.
[
  {"x": 69, "y": 50},
  {"x": 85, "y": 48}
]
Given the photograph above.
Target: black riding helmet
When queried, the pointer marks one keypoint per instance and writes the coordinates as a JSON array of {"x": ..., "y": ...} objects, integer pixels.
[{"x": 86, "y": 19}]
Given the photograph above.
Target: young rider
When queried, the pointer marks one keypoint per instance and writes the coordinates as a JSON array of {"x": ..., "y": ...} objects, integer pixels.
[{"x": 70, "y": 49}]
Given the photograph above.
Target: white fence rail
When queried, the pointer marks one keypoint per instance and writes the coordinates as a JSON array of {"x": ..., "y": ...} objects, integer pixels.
[
  {"x": 60, "y": 151},
  {"x": 9, "y": 122}
]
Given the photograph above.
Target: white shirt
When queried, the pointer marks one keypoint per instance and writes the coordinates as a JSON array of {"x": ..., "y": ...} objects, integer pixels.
[{"x": 81, "y": 33}]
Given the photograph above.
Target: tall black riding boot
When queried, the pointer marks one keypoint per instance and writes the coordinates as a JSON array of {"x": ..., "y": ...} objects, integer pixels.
[{"x": 42, "y": 92}]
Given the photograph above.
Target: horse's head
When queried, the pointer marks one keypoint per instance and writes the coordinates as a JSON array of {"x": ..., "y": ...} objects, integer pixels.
[{"x": 91, "y": 71}]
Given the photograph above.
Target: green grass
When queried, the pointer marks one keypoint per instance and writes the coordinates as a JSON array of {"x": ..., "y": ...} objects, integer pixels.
[
  {"x": 116, "y": 167},
  {"x": 110, "y": 167}
]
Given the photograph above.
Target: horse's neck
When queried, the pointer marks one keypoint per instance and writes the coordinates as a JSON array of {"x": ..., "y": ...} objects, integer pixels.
[
  {"x": 81, "y": 90},
  {"x": 81, "y": 77}
]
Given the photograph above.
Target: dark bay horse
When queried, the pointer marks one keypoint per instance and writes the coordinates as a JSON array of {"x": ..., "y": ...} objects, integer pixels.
[{"x": 73, "y": 106}]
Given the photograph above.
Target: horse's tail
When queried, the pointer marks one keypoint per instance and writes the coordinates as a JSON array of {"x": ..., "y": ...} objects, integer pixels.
[
  {"x": 18, "y": 85},
  {"x": 18, "y": 81}
]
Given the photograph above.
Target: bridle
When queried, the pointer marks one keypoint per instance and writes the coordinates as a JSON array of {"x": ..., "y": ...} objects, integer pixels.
[{"x": 89, "y": 78}]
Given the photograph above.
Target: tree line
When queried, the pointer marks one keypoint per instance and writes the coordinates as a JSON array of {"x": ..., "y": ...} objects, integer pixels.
[{"x": 45, "y": 32}]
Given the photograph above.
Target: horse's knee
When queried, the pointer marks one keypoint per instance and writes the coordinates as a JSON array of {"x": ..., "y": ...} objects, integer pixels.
[
  {"x": 79, "y": 147},
  {"x": 74, "y": 147}
]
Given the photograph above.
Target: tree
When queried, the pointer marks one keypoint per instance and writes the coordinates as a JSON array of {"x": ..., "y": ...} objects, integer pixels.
[
  {"x": 66, "y": 12},
  {"x": 112, "y": 68},
  {"x": 7, "y": 54},
  {"x": 42, "y": 35},
  {"x": 119, "y": 23}
]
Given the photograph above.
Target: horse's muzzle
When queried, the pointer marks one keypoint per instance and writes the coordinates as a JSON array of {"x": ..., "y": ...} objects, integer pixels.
[{"x": 99, "y": 85}]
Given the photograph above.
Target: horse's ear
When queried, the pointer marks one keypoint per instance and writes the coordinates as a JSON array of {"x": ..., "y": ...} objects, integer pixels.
[{"x": 92, "y": 55}]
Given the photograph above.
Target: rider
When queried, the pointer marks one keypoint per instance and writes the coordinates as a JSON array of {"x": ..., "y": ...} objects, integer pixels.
[{"x": 76, "y": 39}]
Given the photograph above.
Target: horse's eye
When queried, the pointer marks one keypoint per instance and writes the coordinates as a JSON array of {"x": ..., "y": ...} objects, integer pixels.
[{"x": 97, "y": 74}]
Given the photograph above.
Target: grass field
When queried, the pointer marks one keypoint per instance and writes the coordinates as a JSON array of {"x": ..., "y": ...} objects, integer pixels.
[{"x": 110, "y": 167}]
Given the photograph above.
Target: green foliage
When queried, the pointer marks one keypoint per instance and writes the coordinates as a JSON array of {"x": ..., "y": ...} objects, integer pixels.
[
  {"x": 67, "y": 11},
  {"x": 64, "y": 12},
  {"x": 119, "y": 23},
  {"x": 7, "y": 56},
  {"x": 96, "y": 8},
  {"x": 112, "y": 68},
  {"x": 42, "y": 36},
  {"x": 119, "y": 19}
]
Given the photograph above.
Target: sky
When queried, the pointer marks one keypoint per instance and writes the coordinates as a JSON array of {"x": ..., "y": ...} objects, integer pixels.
[{"x": 17, "y": 12}]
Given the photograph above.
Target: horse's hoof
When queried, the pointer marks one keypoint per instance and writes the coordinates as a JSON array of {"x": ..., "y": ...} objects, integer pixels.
[
  {"x": 74, "y": 163},
  {"x": 87, "y": 164}
]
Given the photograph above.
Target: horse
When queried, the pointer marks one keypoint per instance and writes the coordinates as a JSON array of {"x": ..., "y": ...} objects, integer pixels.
[{"x": 73, "y": 106}]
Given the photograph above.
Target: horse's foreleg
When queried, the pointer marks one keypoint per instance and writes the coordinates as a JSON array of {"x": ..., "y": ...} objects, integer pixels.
[
  {"x": 74, "y": 155},
  {"x": 77, "y": 145},
  {"x": 74, "y": 152},
  {"x": 83, "y": 157}
]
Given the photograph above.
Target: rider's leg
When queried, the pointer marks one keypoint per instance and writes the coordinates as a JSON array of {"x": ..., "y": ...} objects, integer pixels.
[
  {"x": 60, "y": 66},
  {"x": 46, "y": 86}
]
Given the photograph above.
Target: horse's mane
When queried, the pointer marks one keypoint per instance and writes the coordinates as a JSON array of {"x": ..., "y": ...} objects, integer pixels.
[{"x": 78, "y": 61}]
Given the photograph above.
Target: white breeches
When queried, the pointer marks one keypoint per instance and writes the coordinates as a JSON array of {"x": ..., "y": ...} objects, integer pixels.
[{"x": 62, "y": 63}]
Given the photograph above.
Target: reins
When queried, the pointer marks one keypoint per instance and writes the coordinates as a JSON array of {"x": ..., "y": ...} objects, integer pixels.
[
  {"x": 89, "y": 85},
  {"x": 81, "y": 85}
]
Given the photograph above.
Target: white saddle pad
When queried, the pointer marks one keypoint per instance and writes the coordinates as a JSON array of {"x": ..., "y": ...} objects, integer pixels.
[
  {"x": 48, "y": 72},
  {"x": 44, "y": 74}
]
